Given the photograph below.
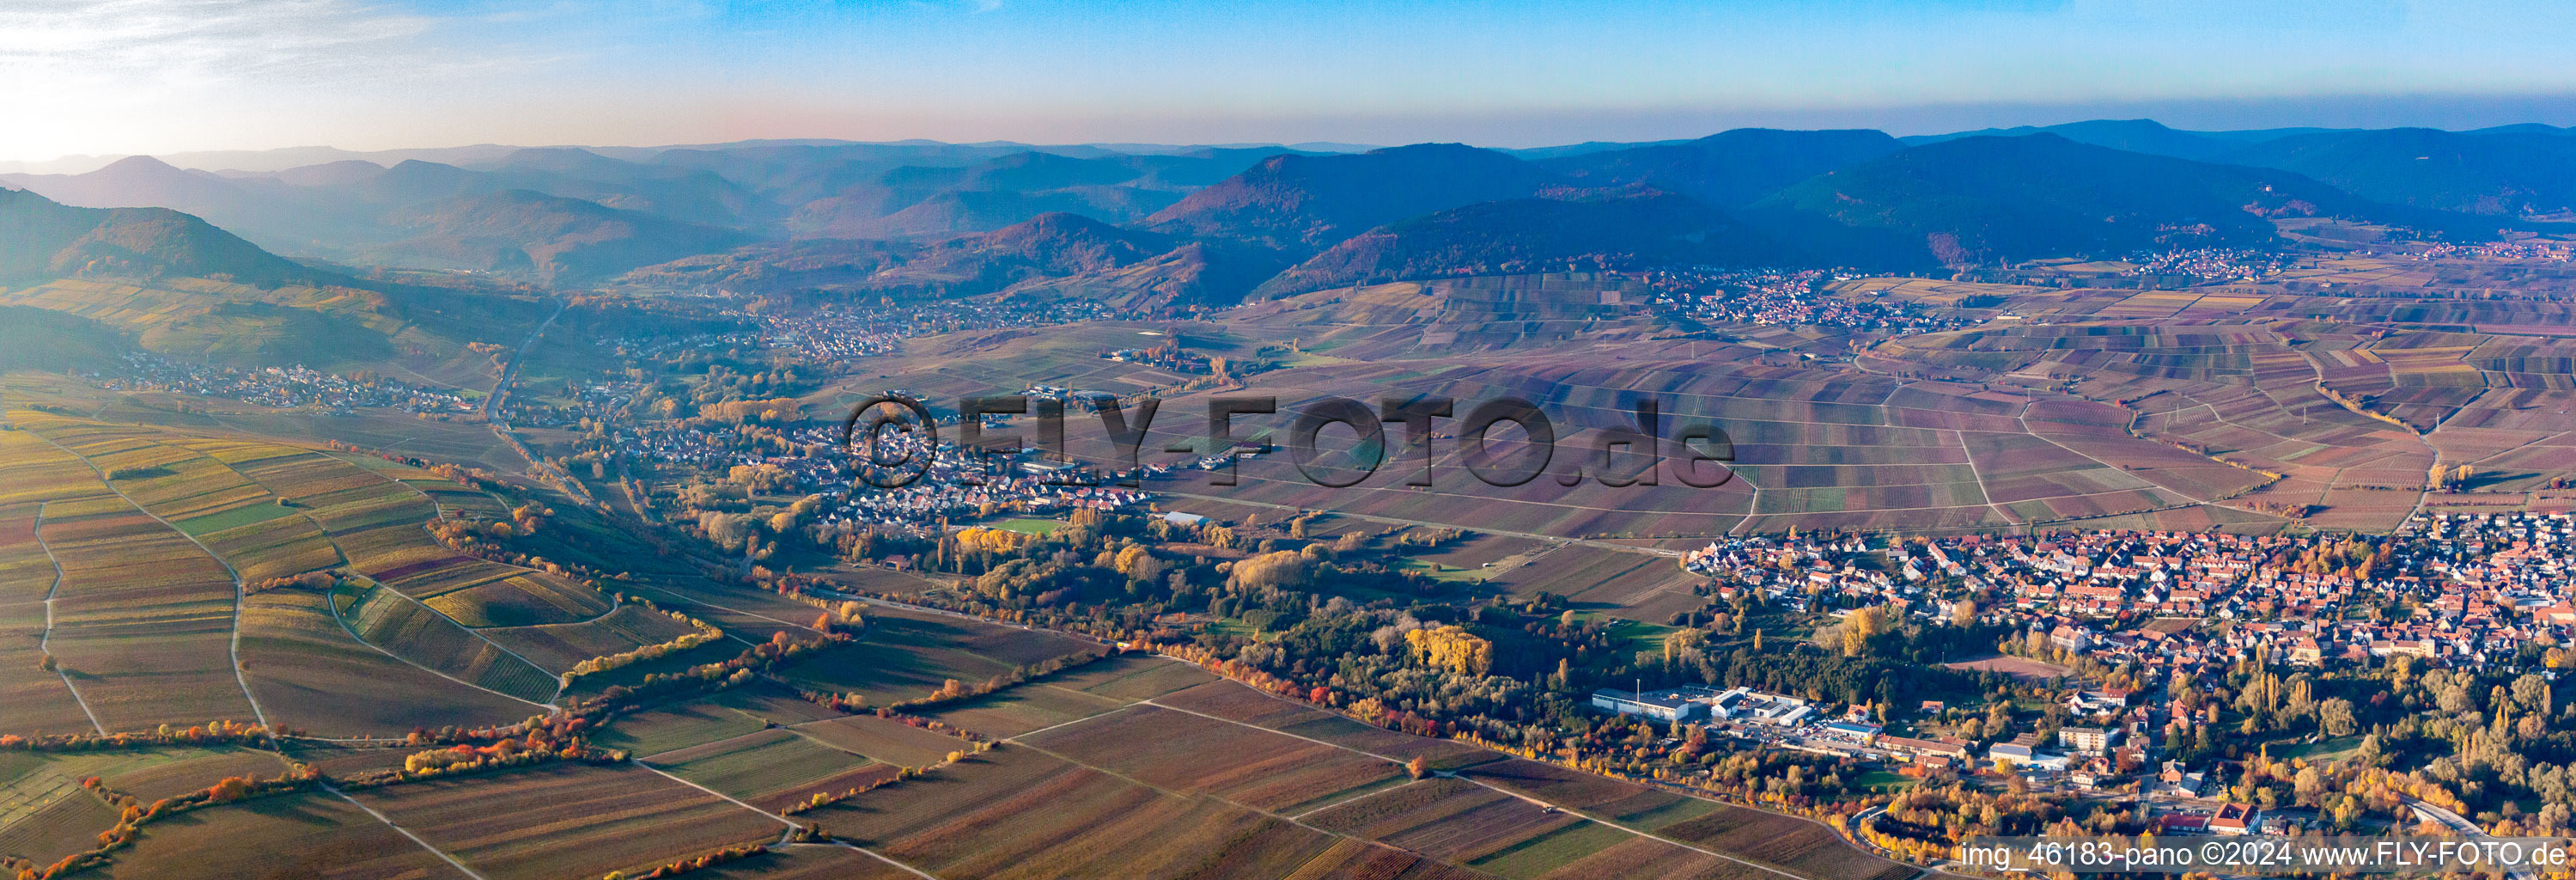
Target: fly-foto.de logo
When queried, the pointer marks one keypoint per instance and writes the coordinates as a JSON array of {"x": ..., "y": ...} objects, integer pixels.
[{"x": 895, "y": 440}]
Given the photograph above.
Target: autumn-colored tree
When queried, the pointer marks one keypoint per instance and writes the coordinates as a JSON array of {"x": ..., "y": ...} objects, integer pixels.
[
  {"x": 1453, "y": 648},
  {"x": 1276, "y": 569},
  {"x": 233, "y": 788},
  {"x": 1419, "y": 767}
]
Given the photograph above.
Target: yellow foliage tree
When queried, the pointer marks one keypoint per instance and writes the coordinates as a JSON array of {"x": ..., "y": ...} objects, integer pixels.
[{"x": 1451, "y": 647}]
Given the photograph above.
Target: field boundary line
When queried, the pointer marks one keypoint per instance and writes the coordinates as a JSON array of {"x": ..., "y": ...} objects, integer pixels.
[
  {"x": 1504, "y": 791},
  {"x": 334, "y": 541},
  {"x": 790, "y": 823},
  {"x": 1191, "y": 796},
  {"x": 1074, "y": 721},
  {"x": 790, "y": 729},
  {"x": 882, "y": 858},
  {"x": 1349, "y": 801},
  {"x": 2150, "y": 484},
  {"x": 1980, "y": 477},
  {"x": 424, "y": 606},
  {"x": 441, "y": 511},
  {"x": 45, "y": 645},
  {"x": 329, "y": 600},
  {"x": 406, "y": 832},
  {"x": 241, "y": 593}
]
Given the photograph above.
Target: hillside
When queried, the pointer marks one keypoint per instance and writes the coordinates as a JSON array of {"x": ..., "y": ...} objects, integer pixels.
[
  {"x": 38, "y": 339},
  {"x": 1303, "y": 204},
  {"x": 1989, "y": 199},
  {"x": 1522, "y": 236},
  {"x": 827, "y": 265},
  {"x": 1069, "y": 255},
  {"x": 42, "y": 239},
  {"x": 950, "y": 212},
  {"x": 2508, "y": 173},
  {"x": 552, "y": 237},
  {"x": 933, "y": 201},
  {"x": 1730, "y": 168},
  {"x": 2133, "y": 135}
]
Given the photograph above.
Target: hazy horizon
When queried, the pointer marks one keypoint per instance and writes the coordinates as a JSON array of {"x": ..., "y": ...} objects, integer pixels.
[
  {"x": 163, "y": 76},
  {"x": 2454, "y": 113}
]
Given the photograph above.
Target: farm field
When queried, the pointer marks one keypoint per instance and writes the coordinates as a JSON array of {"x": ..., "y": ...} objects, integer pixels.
[
  {"x": 1802, "y": 846},
  {"x": 145, "y": 615},
  {"x": 809, "y": 862},
  {"x": 907, "y": 654},
  {"x": 886, "y": 740},
  {"x": 1022, "y": 709},
  {"x": 63, "y": 826},
  {"x": 568, "y": 821},
  {"x": 32, "y": 699},
  {"x": 671, "y": 728},
  {"x": 1132, "y": 677},
  {"x": 310, "y": 673},
  {"x": 1448, "y": 819},
  {"x": 1239, "y": 753},
  {"x": 45, "y": 814},
  {"x": 729, "y": 713},
  {"x": 771, "y": 768},
  {"x": 559, "y": 646},
  {"x": 1639, "y": 586},
  {"x": 1014, "y": 812},
  {"x": 418, "y": 633},
  {"x": 142, "y": 620},
  {"x": 311, "y": 835},
  {"x": 182, "y": 775},
  {"x": 1178, "y": 751}
]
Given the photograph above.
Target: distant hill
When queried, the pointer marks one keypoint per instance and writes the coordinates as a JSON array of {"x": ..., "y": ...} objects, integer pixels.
[
  {"x": 1051, "y": 255},
  {"x": 1523, "y": 236},
  {"x": 553, "y": 237},
  {"x": 580, "y": 214},
  {"x": 2133, "y": 135},
  {"x": 827, "y": 265},
  {"x": 1301, "y": 205},
  {"x": 1989, "y": 199},
  {"x": 1211, "y": 274},
  {"x": 41, "y": 239},
  {"x": 276, "y": 215},
  {"x": 1729, "y": 168},
  {"x": 38, "y": 339},
  {"x": 177, "y": 286},
  {"x": 951, "y": 212},
  {"x": 1535, "y": 154},
  {"x": 936, "y": 201},
  {"x": 692, "y": 195},
  {"x": 2507, "y": 172},
  {"x": 1072, "y": 255}
]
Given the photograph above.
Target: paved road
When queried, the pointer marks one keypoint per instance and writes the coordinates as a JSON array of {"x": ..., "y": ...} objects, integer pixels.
[
  {"x": 2466, "y": 828},
  {"x": 501, "y": 428}
]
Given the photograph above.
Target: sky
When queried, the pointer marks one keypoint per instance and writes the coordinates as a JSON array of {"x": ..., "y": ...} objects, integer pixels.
[{"x": 117, "y": 77}]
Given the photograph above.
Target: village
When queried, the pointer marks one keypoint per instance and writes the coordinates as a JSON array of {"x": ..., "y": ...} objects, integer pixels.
[
  {"x": 295, "y": 387},
  {"x": 2117, "y": 623},
  {"x": 1773, "y": 297}
]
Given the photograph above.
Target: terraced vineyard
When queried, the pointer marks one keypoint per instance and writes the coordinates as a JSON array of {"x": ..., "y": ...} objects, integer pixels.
[{"x": 153, "y": 620}]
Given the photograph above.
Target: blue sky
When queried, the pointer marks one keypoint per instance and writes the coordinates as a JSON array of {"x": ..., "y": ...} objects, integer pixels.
[{"x": 163, "y": 75}]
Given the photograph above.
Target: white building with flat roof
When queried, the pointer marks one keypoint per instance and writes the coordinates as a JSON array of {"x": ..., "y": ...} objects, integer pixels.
[{"x": 1659, "y": 705}]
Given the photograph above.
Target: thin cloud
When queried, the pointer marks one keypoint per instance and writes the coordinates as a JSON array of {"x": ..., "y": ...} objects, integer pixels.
[{"x": 140, "y": 42}]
